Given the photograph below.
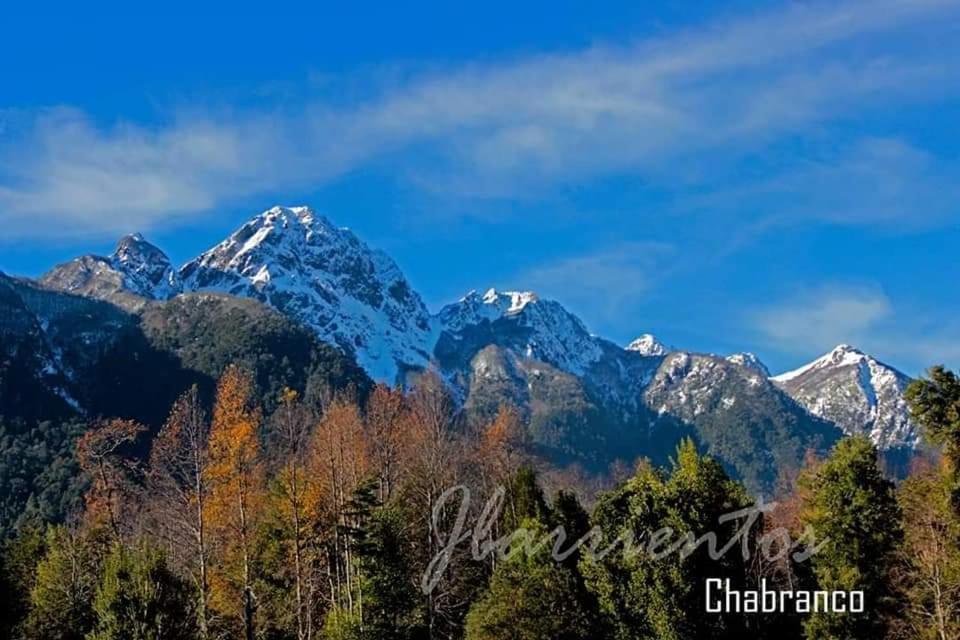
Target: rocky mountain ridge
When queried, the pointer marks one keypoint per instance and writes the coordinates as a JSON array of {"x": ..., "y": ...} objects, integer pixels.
[
  {"x": 493, "y": 347},
  {"x": 858, "y": 393}
]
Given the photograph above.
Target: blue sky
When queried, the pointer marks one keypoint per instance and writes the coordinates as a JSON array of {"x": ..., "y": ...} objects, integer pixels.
[{"x": 729, "y": 176}]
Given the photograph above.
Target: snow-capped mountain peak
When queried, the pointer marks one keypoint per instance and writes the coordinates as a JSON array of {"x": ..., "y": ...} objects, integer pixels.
[
  {"x": 857, "y": 392},
  {"x": 840, "y": 356},
  {"x": 147, "y": 270},
  {"x": 513, "y": 301},
  {"x": 324, "y": 276},
  {"x": 750, "y": 361},
  {"x": 134, "y": 273},
  {"x": 474, "y": 308},
  {"x": 648, "y": 345},
  {"x": 529, "y": 325}
]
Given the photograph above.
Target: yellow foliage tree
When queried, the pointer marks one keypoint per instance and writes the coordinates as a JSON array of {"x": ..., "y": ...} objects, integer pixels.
[
  {"x": 339, "y": 464},
  {"x": 235, "y": 477},
  {"x": 388, "y": 423}
]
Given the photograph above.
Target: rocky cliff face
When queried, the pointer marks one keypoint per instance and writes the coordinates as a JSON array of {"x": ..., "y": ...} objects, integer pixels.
[
  {"x": 135, "y": 272},
  {"x": 323, "y": 276},
  {"x": 858, "y": 393},
  {"x": 749, "y": 361}
]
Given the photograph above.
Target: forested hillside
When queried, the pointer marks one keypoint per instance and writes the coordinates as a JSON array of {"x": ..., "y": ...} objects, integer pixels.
[
  {"x": 67, "y": 360},
  {"x": 349, "y": 518}
]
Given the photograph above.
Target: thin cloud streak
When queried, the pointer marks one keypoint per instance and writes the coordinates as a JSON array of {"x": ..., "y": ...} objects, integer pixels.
[
  {"x": 873, "y": 181},
  {"x": 812, "y": 322},
  {"x": 603, "y": 286},
  {"x": 517, "y": 126},
  {"x": 823, "y": 318}
]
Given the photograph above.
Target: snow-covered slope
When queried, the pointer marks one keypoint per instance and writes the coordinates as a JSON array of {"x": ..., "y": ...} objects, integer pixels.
[
  {"x": 323, "y": 276},
  {"x": 147, "y": 270},
  {"x": 648, "y": 345},
  {"x": 750, "y": 361},
  {"x": 521, "y": 321},
  {"x": 857, "y": 392},
  {"x": 135, "y": 272},
  {"x": 350, "y": 295}
]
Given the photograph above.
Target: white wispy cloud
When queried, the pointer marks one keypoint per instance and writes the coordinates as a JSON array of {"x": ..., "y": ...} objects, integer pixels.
[
  {"x": 603, "y": 285},
  {"x": 874, "y": 180},
  {"x": 811, "y": 322},
  {"x": 500, "y": 128},
  {"x": 822, "y": 318}
]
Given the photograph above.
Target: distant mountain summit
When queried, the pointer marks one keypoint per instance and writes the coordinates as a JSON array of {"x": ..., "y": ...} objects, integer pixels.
[
  {"x": 147, "y": 270},
  {"x": 648, "y": 345},
  {"x": 299, "y": 263},
  {"x": 135, "y": 272},
  {"x": 522, "y": 322},
  {"x": 585, "y": 399},
  {"x": 857, "y": 392},
  {"x": 750, "y": 361}
]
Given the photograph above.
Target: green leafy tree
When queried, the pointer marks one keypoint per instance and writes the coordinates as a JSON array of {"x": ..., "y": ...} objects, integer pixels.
[
  {"x": 928, "y": 573},
  {"x": 853, "y": 511},
  {"x": 18, "y": 565},
  {"x": 935, "y": 404},
  {"x": 340, "y": 624},
  {"x": 643, "y": 596},
  {"x": 532, "y": 597},
  {"x": 66, "y": 581},
  {"x": 391, "y": 603},
  {"x": 139, "y": 598}
]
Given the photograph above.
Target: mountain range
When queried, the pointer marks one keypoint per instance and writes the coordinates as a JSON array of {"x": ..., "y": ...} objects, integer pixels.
[{"x": 585, "y": 399}]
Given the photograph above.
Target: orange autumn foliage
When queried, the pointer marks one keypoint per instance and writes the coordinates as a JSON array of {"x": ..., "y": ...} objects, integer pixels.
[
  {"x": 99, "y": 453},
  {"x": 235, "y": 475}
]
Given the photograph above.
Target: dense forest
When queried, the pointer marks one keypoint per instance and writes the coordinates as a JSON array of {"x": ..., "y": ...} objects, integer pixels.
[{"x": 340, "y": 513}]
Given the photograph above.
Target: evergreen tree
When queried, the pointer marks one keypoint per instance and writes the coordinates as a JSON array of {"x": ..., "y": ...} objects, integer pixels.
[
  {"x": 139, "y": 598},
  {"x": 524, "y": 500},
  {"x": 853, "y": 511},
  {"x": 532, "y": 597},
  {"x": 935, "y": 405},
  {"x": 644, "y": 596},
  {"x": 391, "y": 603},
  {"x": 66, "y": 581}
]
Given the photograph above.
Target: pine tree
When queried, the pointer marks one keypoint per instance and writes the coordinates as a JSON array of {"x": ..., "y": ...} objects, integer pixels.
[
  {"x": 524, "y": 500},
  {"x": 853, "y": 510},
  {"x": 391, "y": 602}
]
